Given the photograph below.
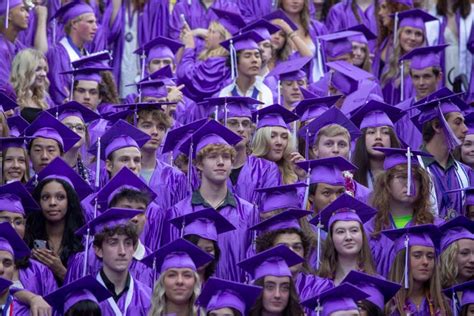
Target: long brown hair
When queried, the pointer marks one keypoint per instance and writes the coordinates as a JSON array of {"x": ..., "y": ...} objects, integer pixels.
[
  {"x": 464, "y": 7},
  {"x": 330, "y": 257},
  {"x": 305, "y": 18},
  {"x": 385, "y": 31},
  {"x": 381, "y": 198},
  {"x": 361, "y": 156},
  {"x": 432, "y": 289}
]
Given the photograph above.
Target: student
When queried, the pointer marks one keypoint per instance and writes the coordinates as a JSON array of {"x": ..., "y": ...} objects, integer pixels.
[
  {"x": 50, "y": 139},
  {"x": 159, "y": 53},
  {"x": 270, "y": 269},
  {"x": 416, "y": 268},
  {"x": 465, "y": 305},
  {"x": 213, "y": 154},
  {"x": 15, "y": 160},
  {"x": 178, "y": 286},
  {"x": 362, "y": 47}
]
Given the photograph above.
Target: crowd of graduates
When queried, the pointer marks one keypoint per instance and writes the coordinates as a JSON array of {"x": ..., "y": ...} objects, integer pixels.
[{"x": 236, "y": 157}]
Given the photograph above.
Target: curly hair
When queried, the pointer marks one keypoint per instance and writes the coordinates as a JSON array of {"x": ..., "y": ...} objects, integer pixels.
[
  {"x": 108, "y": 88},
  {"x": 159, "y": 299},
  {"x": 211, "y": 267},
  {"x": 211, "y": 148},
  {"x": 128, "y": 230},
  {"x": 156, "y": 115},
  {"x": 381, "y": 198},
  {"x": 84, "y": 308},
  {"x": 448, "y": 266},
  {"x": 23, "y": 76}
]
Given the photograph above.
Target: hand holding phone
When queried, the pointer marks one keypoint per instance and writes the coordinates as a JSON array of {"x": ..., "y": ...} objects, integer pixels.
[{"x": 40, "y": 244}]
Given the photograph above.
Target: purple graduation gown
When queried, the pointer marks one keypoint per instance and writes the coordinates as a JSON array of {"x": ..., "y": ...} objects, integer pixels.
[
  {"x": 8, "y": 50},
  {"x": 233, "y": 244},
  {"x": 308, "y": 285},
  {"x": 411, "y": 309},
  {"x": 404, "y": 127},
  {"x": 37, "y": 278},
  {"x": 135, "y": 302}
]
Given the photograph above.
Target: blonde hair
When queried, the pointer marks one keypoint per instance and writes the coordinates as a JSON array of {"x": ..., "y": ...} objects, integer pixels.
[
  {"x": 261, "y": 147},
  {"x": 22, "y": 78},
  {"x": 219, "y": 148},
  {"x": 332, "y": 130},
  {"x": 448, "y": 265},
  {"x": 26, "y": 176},
  {"x": 159, "y": 300},
  {"x": 4, "y": 123},
  {"x": 219, "y": 51}
]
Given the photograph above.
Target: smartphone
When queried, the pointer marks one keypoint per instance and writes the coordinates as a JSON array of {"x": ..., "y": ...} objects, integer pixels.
[{"x": 40, "y": 244}]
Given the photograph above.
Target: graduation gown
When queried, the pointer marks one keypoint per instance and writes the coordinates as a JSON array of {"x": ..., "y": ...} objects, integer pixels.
[
  {"x": 308, "y": 285},
  {"x": 8, "y": 50},
  {"x": 411, "y": 309},
  {"x": 405, "y": 128},
  {"x": 233, "y": 244},
  {"x": 37, "y": 278}
]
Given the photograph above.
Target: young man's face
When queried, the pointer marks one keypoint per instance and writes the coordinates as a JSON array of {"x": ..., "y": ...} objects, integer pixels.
[
  {"x": 158, "y": 63},
  {"x": 325, "y": 194},
  {"x": 87, "y": 93},
  {"x": 249, "y": 62},
  {"x": 7, "y": 265},
  {"x": 242, "y": 126},
  {"x": 328, "y": 147},
  {"x": 458, "y": 126},
  {"x": 116, "y": 253},
  {"x": 425, "y": 81},
  {"x": 42, "y": 152},
  {"x": 266, "y": 49},
  {"x": 19, "y": 17},
  {"x": 216, "y": 166},
  {"x": 129, "y": 157},
  {"x": 290, "y": 91},
  {"x": 154, "y": 128},
  {"x": 139, "y": 220},
  {"x": 86, "y": 27}
]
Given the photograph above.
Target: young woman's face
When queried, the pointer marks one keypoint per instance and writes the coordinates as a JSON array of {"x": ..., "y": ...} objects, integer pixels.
[
  {"x": 276, "y": 294},
  {"x": 467, "y": 150},
  {"x": 279, "y": 139},
  {"x": 410, "y": 38},
  {"x": 76, "y": 124},
  {"x": 53, "y": 201},
  {"x": 266, "y": 50},
  {"x": 465, "y": 259},
  {"x": 358, "y": 53},
  {"x": 40, "y": 73},
  {"x": 347, "y": 237},
  {"x": 470, "y": 310},
  {"x": 213, "y": 39},
  {"x": 377, "y": 137},
  {"x": 293, "y": 6},
  {"x": 179, "y": 285},
  {"x": 334, "y": 146},
  {"x": 14, "y": 164},
  {"x": 384, "y": 14},
  {"x": 278, "y": 40},
  {"x": 398, "y": 188},
  {"x": 207, "y": 246},
  {"x": 422, "y": 263},
  {"x": 294, "y": 242}
]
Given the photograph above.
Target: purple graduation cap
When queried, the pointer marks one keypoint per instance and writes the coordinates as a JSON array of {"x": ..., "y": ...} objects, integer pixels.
[
  {"x": 206, "y": 223},
  {"x": 376, "y": 114},
  {"x": 313, "y": 107},
  {"x": 6, "y": 103},
  {"x": 326, "y": 170},
  {"x": 415, "y": 18},
  {"x": 124, "y": 179},
  {"x": 280, "y": 14},
  {"x": 275, "y": 261},
  {"x": 274, "y": 115},
  {"x": 59, "y": 169},
  {"x": 233, "y": 106},
  {"x": 365, "y": 35},
  {"x": 284, "y": 220},
  {"x": 17, "y": 125},
  {"x": 308, "y": 94},
  {"x": 11, "y": 242},
  {"x": 176, "y": 137},
  {"x": 380, "y": 290},
  {"x": 210, "y": 133},
  {"x": 71, "y": 11},
  {"x": 264, "y": 28},
  {"x": 15, "y": 198},
  {"x": 133, "y": 109},
  {"x": 164, "y": 74},
  {"x": 346, "y": 77},
  {"x": 232, "y": 21},
  {"x": 280, "y": 197},
  {"x": 98, "y": 60},
  {"x": 424, "y": 57},
  {"x": 111, "y": 218},
  {"x": 337, "y": 44},
  {"x": 457, "y": 228},
  {"x": 219, "y": 293},
  {"x": 340, "y": 298},
  {"x": 4, "y": 283},
  {"x": 159, "y": 47},
  {"x": 404, "y": 238},
  {"x": 46, "y": 126},
  {"x": 152, "y": 88},
  {"x": 73, "y": 108},
  {"x": 177, "y": 254},
  {"x": 13, "y": 142},
  {"x": 467, "y": 289},
  {"x": 83, "y": 289},
  {"x": 87, "y": 74},
  {"x": 468, "y": 120},
  {"x": 118, "y": 136}
]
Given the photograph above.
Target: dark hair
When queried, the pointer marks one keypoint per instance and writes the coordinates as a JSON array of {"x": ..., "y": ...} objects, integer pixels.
[
  {"x": 74, "y": 219},
  {"x": 234, "y": 312},
  {"x": 130, "y": 195},
  {"x": 464, "y": 7},
  {"x": 211, "y": 268},
  {"x": 361, "y": 156},
  {"x": 292, "y": 309},
  {"x": 436, "y": 71},
  {"x": 370, "y": 308},
  {"x": 84, "y": 308},
  {"x": 228, "y": 63},
  {"x": 106, "y": 87},
  {"x": 30, "y": 144},
  {"x": 464, "y": 310},
  {"x": 384, "y": 31},
  {"x": 128, "y": 230}
]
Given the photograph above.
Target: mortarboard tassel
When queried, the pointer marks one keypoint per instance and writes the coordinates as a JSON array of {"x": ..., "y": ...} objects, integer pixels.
[
  {"x": 190, "y": 168},
  {"x": 406, "y": 283},
  {"x": 409, "y": 173},
  {"x": 454, "y": 301},
  {"x": 395, "y": 30},
  {"x": 306, "y": 145},
  {"x": 306, "y": 191},
  {"x": 233, "y": 60},
  {"x": 225, "y": 112},
  {"x": 318, "y": 246},
  {"x": 451, "y": 140},
  {"x": 86, "y": 251},
  {"x": 279, "y": 91},
  {"x": 318, "y": 308},
  {"x": 97, "y": 166},
  {"x": 402, "y": 80},
  {"x": 7, "y": 12},
  {"x": 319, "y": 55},
  {"x": 143, "y": 58}
]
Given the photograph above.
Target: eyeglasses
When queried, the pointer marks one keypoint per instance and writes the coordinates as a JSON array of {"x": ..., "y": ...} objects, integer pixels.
[
  {"x": 78, "y": 127},
  {"x": 12, "y": 221}
]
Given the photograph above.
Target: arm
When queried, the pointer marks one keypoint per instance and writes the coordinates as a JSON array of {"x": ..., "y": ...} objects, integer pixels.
[
  {"x": 296, "y": 40},
  {"x": 37, "y": 304},
  {"x": 41, "y": 41},
  {"x": 116, "y": 4}
]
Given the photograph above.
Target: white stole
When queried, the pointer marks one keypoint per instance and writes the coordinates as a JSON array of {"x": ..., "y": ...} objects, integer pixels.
[{"x": 128, "y": 298}]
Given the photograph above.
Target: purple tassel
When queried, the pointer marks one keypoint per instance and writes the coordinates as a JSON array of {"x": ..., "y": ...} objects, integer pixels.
[{"x": 451, "y": 140}]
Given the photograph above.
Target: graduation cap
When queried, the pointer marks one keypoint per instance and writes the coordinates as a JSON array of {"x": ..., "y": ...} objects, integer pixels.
[
  {"x": 232, "y": 21},
  {"x": 99, "y": 60},
  {"x": 74, "y": 108},
  {"x": 124, "y": 179},
  {"x": 233, "y": 106},
  {"x": 118, "y": 136},
  {"x": 280, "y": 197},
  {"x": 111, "y": 218},
  {"x": 326, "y": 170},
  {"x": 365, "y": 35},
  {"x": 468, "y": 120},
  {"x": 87, "y": 73},
  {"x": 177, "y": 254},
  {"x": 367, "y": 90},
  {"x": 219, "y": 293},
  {"x": 275, "y": 261},
  {"x": 5, "y": 8},
  {"x": 11, "y": 242},
  {"x": 4, "y": 283},
  {"x": 159, "y": 47},
  {"x": 13, "y": 142},
  {"x": 274, "y": 115},
  {"x": 206, "y": 223},
  {"x": 376, "y": 114},
  {"x": 307, "y": 94},
  {"x": 15, "y": 198},
  {"x": 457, "y": 228},
  {"x": 340, "y": 298},
  {"x": 176, "y": 137},
  {"x": 83, "y": 289},
  {"x": 380, "y": 291},
  {"x": 420, "y": 235},
  {"x": 346, "y": 77},
  {"x": 338, "y": 44},
  {"x": 6, "y": 103},
  {"x": 264, "y": 28},
  {"x": 424, "y": 57},
  {"x": 164, "y": 74},
  {"x": 284, "y": 220},
  {"x": 152, "y": 88},
  {"x": 17, "y": 125},
  {"x": 71, "y": 11},
  {"x": 467, "y": 289},
  {"x": 408, "y": 3},
  {"x": 211, "y": 132},
  {"x": 415, "y": 18},
  {"x": 280, "y": 14},
  {"x": 46, "y": 126},
  {"x": 59, "y": 169},
  {"x": 313, "y": 107}
]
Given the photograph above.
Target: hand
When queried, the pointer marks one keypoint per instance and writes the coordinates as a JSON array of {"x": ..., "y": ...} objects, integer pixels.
[
  {"x": 39, "y": 307},
  {"x": 200, "y": 32},
  {"x": 283, "y": 25},
  {"x": 187, "y": 37},
  {"x": 51, "y": 260},
  {"x": 175, "y": 94},
  {"x": 41, "y": 11},
  {"x": 294, "y": 158}
]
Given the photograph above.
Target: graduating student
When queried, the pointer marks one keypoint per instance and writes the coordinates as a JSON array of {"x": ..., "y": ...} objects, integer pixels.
[
  {"x": 159, "y": 53},
  {"x": 465, "y": 305},
  {"x": 362, "y": 47},
  {"x": 178, "y": 285},
  {"x": 270, "y": 269},
  {"x": 15, "y": 161},
  {"x": 415, "y": 266},
  {"x": 49, "y": 139},
  {"x": 211, "y": 148},
  {"x": 468, "y": 142}
]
